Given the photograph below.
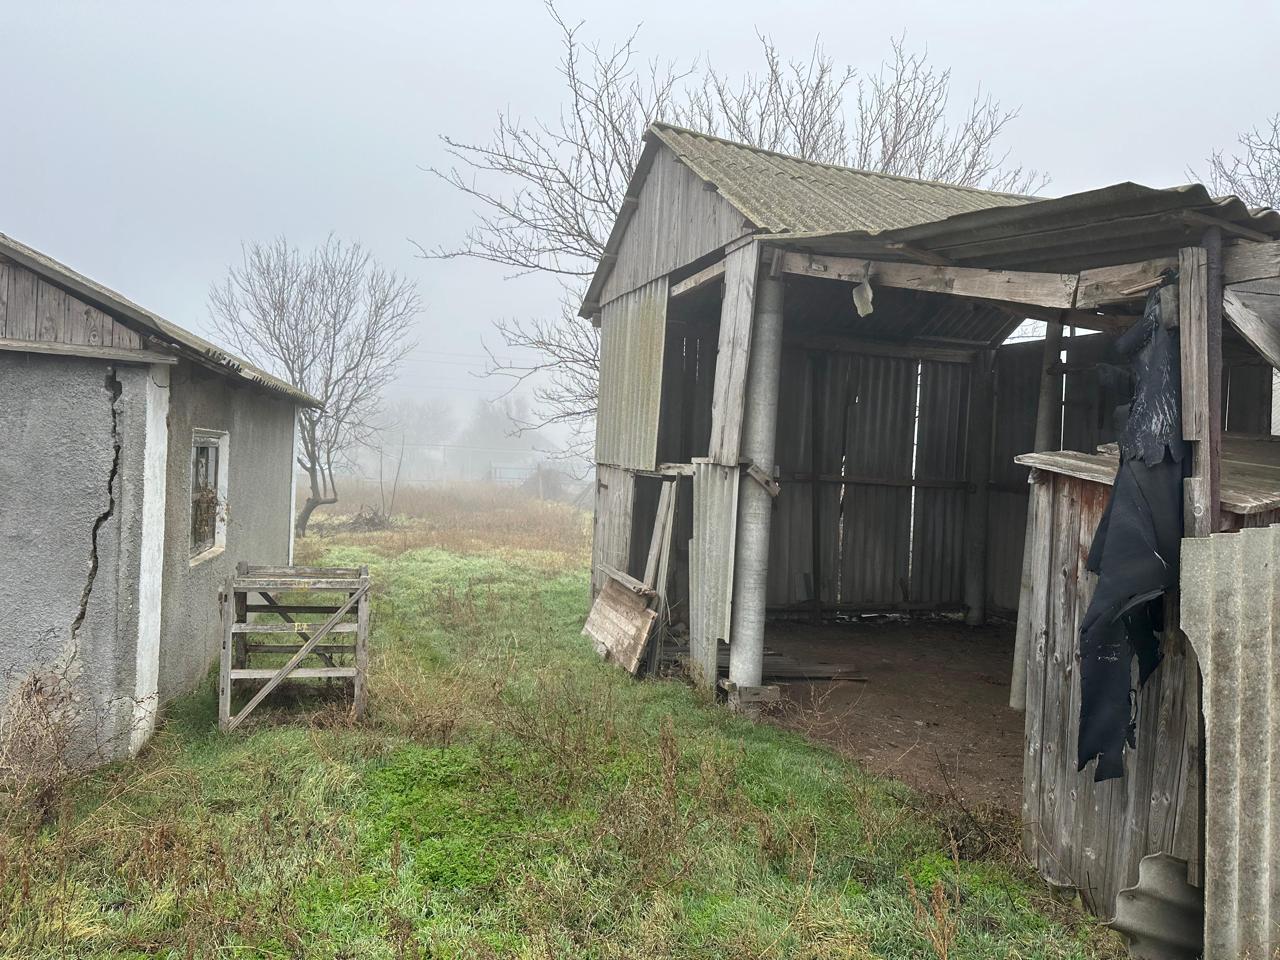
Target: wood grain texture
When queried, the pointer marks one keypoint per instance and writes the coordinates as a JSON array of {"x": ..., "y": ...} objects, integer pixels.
[
  {"x": 737, "y": 313},
  {"x": 1193, "y": 334},
  {"x": 1257, "y": 317},
  {"x": 1009, "y": 286},
  {"x": 620, "y": 623},
  {"x": 1245, "y": 260},
  {"x": 1104, "y": 285}
]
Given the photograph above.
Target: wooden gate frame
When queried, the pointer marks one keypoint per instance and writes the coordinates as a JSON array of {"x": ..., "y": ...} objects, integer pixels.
[{"x": 237, "y": 626}]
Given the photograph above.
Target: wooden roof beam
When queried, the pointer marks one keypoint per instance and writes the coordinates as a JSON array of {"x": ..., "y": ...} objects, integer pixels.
[{"x": 1041, "y": 289}]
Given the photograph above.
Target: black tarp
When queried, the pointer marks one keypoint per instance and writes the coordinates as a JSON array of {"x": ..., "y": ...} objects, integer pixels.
[{"x": 1135, "y": 549}]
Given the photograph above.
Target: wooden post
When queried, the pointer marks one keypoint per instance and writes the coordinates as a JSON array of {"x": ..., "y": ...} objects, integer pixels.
[
  {"x": 1049, "y": 405},
  {"x": 1200, "y": 335},
  {"x": 978, "y": 459},
  {"x": 224, "y": 665},
  {"x": 817, "y": 431},
  {"x": 360, "y": 691}
]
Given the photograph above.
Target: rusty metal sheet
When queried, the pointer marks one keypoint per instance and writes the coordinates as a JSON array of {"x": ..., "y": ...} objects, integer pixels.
[
  {"x": 1230, "y": 612},
  {"x": 715, "y": 524},
  {"x": 620, "y": 623}
]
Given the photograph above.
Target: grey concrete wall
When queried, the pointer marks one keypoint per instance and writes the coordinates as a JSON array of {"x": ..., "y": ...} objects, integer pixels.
[
  {"x": 71, "y": 453},
  {"x": 260, "y": 429}
]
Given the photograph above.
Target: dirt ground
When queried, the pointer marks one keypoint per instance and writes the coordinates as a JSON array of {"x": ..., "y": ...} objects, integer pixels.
[{"x": 929, "y": 707}]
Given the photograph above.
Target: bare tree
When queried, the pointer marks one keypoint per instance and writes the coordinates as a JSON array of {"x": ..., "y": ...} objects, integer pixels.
[
  {"x": 548, "y": 190},
  {"x": 1253, "y": 175},
  {"x": 333, "y": 323}
]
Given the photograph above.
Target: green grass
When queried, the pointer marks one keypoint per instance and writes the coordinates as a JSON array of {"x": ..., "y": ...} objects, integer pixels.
[{"x": 508, "y": 796}]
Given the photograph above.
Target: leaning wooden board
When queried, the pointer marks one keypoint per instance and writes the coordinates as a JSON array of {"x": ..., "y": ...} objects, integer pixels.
[{"x": 620, "y": 623}]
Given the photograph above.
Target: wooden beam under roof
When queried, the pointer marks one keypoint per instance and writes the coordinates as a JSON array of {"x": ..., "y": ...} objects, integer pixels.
[
  {"x": 1257, "y": 317},
  {"x": 1041, "y": 289}
]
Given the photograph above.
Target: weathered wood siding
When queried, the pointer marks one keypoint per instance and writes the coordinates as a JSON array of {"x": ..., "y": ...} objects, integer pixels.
[
  {"x": 633, "y": 334},
  {"x": 35, "y": 311},
  {"x": 677, "y": 220},
  {"x": 1079, "y": 833},
  {"x": 611, "y": 543}
]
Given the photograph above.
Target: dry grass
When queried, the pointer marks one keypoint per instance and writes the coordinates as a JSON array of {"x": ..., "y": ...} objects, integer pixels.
[{"x": 478, "y": 518}]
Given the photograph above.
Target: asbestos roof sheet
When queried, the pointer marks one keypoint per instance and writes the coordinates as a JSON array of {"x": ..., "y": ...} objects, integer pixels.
[
  {"x": 780, "y": 193},
  {"x": 147, "y": 323}
]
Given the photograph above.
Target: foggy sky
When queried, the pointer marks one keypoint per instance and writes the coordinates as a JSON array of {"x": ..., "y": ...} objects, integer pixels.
[{"x": 141, "y": 143}]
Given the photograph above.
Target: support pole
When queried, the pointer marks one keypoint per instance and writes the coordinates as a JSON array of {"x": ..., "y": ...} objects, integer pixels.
[
  {"x": 817, "y": 432},
  {"x": 1049, "y": 405},
  {"x": 978, "y": 456},
  {"x": 755, "y": 504}
]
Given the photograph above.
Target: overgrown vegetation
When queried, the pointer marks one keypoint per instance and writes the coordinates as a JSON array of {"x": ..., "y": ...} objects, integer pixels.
[{"x": 509, "y": 796}]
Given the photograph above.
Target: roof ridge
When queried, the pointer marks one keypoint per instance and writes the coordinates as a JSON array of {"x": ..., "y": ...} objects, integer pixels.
[{"x": 658, "y": 126}]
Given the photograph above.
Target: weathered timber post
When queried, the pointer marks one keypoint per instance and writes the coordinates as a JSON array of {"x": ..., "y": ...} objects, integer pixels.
[
  {"x": 1049, "y": 404},
  {"x": 978, "y": 458},
  {"x": 755, "y": 502}
]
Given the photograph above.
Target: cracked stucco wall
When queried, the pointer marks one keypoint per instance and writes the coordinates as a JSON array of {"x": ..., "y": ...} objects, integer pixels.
[
  {"x": 260, "y": 460},
  {"x": 72, "y": 432}
]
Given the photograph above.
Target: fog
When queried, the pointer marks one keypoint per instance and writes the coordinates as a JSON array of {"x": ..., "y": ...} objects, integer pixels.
[{"x": 144, "y": 142}]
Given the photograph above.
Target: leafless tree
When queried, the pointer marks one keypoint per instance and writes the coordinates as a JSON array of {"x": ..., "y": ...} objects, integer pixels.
[
  {"x": 333, "y": 323},
  {"x": 1253, "y": 174},
  {"x": 548, "y": 190}
]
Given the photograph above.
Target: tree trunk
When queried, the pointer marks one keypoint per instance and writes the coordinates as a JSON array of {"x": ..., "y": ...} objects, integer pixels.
[{"x": 314, "y": 499}]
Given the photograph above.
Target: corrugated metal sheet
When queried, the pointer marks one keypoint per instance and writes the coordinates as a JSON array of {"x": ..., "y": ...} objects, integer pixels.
[
  {"x": 937, "y": 563},
  {"x": 1231, "y": 613},
  {"x": 1117, "y": 224},
  {"x": 870, "y": 421},
  {"x": 632, "y": 339},
  {"x": 715, "y": 526},
  {"x": 782, "y": 193}
]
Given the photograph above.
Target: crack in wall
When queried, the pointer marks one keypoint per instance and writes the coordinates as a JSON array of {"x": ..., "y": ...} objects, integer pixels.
[{"x": 115, "y": 388}]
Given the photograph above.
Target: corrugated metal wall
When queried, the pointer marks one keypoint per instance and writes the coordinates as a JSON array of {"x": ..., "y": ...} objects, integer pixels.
[
  {"x": 1231, "y": 612},
  {"x": 937, "y": 566},
  {"x": 715, "y": 525},
  {"x": 633, "y": 335}
]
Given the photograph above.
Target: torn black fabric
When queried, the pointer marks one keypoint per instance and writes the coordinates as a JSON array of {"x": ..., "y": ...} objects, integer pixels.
[{"x": 1135, "y": 548}]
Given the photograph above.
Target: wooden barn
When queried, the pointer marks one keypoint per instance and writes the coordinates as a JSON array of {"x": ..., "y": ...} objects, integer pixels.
[{"x": 809, "y": 414}]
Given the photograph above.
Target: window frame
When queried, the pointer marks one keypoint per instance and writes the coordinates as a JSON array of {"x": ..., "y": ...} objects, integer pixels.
[{"x": 219, "y": 440}]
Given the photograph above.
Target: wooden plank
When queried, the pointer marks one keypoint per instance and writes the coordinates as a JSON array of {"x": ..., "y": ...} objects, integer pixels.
[
  {"x": 620, "y": 623},
  {"x": 78, "y": 320},
  {"x": 737, "y": 313},
  {"x": 658, "y": 543},
  {"x": 5, "y": 269},
  {"x": 628, "y": 582},
  {"x": 910, "y": 349},
  {"x": 289, "y": 667},
  {"x": 1193, "y": 335},
  {"x": 1035, "y": 596},
  {"x": 698, "y": 280},
  {"x": 20, "y": 321},
  {"x": 297, "y": 584},
  {"x": 1104, "y": 285},
  {"x": 1042, "y": 289},
  {"x": 296, "y": 627},
  {"x": 1257, "y": 317},
  {"x": 328, "y": 649},
  {"x": 300, "y": 673},
  {"x": 1244, "y": 260},
  {"x": 224, "y": 663},
  {"x": 360, "y": 695},
  {"x": 51, "y": 313},
  {"x": 51, "y": 348},
  {"x": 283, "y": 608}
]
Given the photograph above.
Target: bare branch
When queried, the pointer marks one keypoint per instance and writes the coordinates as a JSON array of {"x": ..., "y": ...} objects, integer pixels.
[
  {"x": 333, "y": 323},
  {"x": 1253, "y": 175}
]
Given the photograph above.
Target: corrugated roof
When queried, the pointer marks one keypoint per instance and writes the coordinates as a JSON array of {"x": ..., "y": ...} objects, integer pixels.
[
  {"x": 1122, "y": 223},
  {"x": 780, "y": 193},
  {"x": 840, "y": 210},
  {"x": 146, "y": 322}
]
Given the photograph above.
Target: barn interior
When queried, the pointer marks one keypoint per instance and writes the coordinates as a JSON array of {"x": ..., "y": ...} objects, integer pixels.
[{"x": 896, "y": 545}]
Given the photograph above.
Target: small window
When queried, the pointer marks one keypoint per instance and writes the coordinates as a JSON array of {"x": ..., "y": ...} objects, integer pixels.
[{"x": 208, "y": 492}]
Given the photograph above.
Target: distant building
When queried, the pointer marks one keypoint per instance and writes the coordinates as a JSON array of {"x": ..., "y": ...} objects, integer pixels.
[{"x": 139, "y": 464}]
